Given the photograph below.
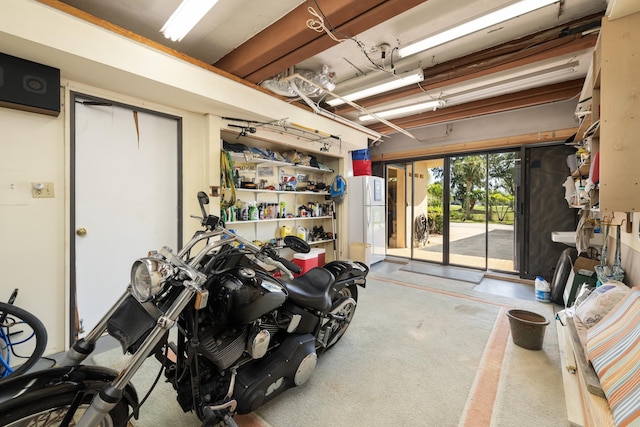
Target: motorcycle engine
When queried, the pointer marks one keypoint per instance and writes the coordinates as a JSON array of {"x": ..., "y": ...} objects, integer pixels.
[
  {"x": 244, "y": 295},
  {"x": 241, "y": 296},
  {"x": 289, "y": 365}
]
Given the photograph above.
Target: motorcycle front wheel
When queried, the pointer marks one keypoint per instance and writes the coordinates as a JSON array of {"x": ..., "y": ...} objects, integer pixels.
[{"x": 51, "y": 412}]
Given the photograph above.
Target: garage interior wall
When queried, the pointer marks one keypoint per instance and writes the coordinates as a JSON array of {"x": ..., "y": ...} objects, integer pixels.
[{"x": 36, "y": 147}]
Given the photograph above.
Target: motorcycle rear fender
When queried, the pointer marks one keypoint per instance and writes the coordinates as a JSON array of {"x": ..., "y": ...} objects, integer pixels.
[
  {"x": 15, "y": 392},
  {"x": 347, "y": 273}
]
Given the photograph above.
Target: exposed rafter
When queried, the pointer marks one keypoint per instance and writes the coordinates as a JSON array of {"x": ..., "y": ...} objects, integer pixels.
[
  {"x": 527, "y": 98},
  {"x": 289, "y": 40},
  {"x": 500, "y": 58}
]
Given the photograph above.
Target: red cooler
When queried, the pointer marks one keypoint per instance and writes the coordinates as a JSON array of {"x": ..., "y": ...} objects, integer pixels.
[
  {"x": 306, "y": 261},
  {"x": 321, "y": 255}
]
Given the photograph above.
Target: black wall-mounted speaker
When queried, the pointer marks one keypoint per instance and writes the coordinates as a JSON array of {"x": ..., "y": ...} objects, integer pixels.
[{"x": 29, "y": 86}]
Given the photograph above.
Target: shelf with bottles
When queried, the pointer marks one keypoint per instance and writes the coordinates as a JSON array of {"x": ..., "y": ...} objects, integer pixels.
[
  {"x": 270, "y": 215},
  {"x": 287, "y": 191},
  {"x": 278, "y": 219},
  {"x": 268, "y": 211},
  {"x": 274, "y": 231},
  {"x": 307, "y": 192}
]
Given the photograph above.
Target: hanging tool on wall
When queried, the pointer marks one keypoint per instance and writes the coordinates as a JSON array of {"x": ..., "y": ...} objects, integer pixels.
[
  {"x": 244, "y": 130},
  {"x": 227, "y": 178}
]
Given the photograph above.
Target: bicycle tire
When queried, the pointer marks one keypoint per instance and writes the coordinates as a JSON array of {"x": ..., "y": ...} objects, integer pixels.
[{"x": 40, "y": 336}]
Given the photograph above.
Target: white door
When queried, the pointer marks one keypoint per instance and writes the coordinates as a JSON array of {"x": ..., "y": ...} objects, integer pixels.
[{"x": 126, "y": 177}]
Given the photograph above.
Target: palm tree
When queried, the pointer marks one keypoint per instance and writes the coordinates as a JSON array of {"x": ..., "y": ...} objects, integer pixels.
[{"x": 468, "y": 171}]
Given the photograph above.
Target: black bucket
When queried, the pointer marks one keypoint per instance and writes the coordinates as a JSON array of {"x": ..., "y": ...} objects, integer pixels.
[{"x": 527, "y": 328}]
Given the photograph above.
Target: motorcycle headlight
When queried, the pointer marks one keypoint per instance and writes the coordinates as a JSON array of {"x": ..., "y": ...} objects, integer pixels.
[{"x": 147, "y": 277}]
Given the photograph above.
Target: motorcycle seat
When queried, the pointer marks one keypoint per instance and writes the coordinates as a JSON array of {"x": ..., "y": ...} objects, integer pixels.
[{"x": 312, "y": 289}]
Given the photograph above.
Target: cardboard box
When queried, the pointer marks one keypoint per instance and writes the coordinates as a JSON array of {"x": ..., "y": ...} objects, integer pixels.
[{"x": 583, "y": 271}]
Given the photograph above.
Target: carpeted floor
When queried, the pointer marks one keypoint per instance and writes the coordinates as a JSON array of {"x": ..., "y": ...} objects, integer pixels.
[{"x": 416, "y": 354}]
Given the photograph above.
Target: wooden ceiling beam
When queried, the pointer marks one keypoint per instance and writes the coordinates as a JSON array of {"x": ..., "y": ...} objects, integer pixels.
[
  {"x": 289, "y": 41},
  {"x": 558, "y": 37},
  {"x": 527, "y": 98},
  {"x": 480, "y": 64},
  {"x": 546, "y": 136},
  {"x": 286, "y": 35}
]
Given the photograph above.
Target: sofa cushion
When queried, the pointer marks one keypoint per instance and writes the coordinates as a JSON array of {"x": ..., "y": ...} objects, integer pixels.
[{"x": 613, "y": 346}]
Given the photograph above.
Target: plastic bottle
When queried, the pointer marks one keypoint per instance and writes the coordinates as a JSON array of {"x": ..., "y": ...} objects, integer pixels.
[
  {"x": 253, "y": 213},
  {"x": 543, "y": 290}
]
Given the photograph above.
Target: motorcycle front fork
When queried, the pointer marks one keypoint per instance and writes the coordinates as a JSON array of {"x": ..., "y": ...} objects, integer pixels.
[
  {"x": 82, "y": 348},
  {"x": 111, "y": 394}
]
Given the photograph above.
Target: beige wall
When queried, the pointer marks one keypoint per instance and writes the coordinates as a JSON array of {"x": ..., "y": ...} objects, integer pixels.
[
  {"x": 35, "y": 232},
  {"x": 32, "y": 231}
]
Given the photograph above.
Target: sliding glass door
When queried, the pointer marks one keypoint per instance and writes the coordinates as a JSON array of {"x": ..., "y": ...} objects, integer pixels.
[
  {"x": 468, "y": 211},
  {"x": 428, "y": 237},
  {"x": 399, "y": 194},
  {"x": 503, "y": 172},
  {"x": 456, "y": 210},
  {"x": 414, "y": 209}
]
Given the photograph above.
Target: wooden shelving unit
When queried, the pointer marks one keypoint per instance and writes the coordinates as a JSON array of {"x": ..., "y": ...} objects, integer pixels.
[
  {"x": 267, "y": 175},
  {"x": 616, "y": 62}
]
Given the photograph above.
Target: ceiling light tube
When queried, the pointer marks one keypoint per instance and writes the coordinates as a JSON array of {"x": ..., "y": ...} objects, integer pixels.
[
  {"x": 185, "y": 17},
  {"x": 396, "y": 82},
  {"x": 429, "y": 105},
  {"x": 501, "y": 78},
  {"x": 485, "y": 21},
  {"x": 511, "y": 85}
]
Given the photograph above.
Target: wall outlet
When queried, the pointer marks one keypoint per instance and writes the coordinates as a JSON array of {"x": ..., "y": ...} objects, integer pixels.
[{"x": 40, "y": 190}]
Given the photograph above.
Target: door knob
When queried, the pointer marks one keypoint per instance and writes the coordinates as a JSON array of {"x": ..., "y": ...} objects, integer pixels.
[{"x": 81, "y": 231}]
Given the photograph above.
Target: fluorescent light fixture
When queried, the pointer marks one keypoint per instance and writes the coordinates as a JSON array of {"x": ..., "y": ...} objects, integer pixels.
[
  {"x": 403, "y": 111},
  {"x": 485, "y": 21},
  {"x": 396, "y": 82},
  {"x": 185, "y": 17},
  {"x": 512, "y": 84},
  {"x": 516, "y": 75},
  {"x": 480, "y": 89}
]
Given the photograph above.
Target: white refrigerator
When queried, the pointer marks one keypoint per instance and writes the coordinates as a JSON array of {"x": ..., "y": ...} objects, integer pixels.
[{"x": 367, "y": 229}]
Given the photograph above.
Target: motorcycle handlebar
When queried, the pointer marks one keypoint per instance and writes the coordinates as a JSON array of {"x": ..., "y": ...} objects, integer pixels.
[
  {"x": 290, "y": 265},
  {"x": 269, "y": 257}
]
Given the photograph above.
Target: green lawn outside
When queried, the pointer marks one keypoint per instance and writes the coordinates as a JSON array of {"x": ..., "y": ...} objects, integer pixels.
[{"x": 479, "y": 215}]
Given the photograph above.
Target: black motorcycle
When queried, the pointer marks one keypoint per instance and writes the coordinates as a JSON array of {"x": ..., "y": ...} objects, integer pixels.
[{"x": 229, "y": 333}]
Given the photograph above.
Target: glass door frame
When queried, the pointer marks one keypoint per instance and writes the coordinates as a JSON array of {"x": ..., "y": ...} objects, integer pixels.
[
  {"x": 446, "y": 211},
  {"x": 485, "y": 203}
]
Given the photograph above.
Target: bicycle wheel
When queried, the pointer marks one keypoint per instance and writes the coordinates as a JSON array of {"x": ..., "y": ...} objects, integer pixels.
[{"x": 20, "y": 329}]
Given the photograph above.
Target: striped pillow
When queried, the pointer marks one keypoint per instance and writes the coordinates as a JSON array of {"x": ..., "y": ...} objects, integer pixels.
[{"x": 613, "y": 346}]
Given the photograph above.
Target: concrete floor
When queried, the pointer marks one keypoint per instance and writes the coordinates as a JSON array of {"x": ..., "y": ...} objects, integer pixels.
[
  {"x": 493, "y": 284},
  {"x": 459, "y": 231}
]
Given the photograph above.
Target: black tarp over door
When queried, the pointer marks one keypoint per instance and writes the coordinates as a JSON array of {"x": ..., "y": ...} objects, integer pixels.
[{"x": 545, "y": 209}]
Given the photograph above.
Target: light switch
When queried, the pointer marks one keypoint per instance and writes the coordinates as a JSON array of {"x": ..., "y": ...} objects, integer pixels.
[{"x": 42, "y": 190}]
